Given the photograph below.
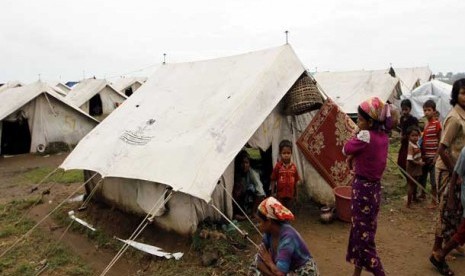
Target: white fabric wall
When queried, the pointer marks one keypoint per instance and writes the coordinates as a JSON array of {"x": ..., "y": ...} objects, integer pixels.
[
  {"x": 184, "y": 212},
  {"x": 109, "y": 99},
  {"x": 58, "y": 125}
]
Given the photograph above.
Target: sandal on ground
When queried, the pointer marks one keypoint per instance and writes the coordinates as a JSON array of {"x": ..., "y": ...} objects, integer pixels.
[{"x": 441, "y": 266}]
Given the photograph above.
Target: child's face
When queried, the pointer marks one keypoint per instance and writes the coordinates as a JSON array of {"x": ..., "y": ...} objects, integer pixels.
[
  {"x": 429, "y": 112},
  {"x": 405, "y": 111},
  {"x": 362, "y": 123},
  {"x": 286, "y": 153},
  {"x": 414, "y": 136},
  {"x": 461, "y": 97},
  {"x": 245, "y": 165}
]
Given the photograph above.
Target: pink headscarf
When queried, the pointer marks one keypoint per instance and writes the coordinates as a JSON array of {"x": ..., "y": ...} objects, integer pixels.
[
  {"x": 273, "y": 209},
  {"x": 378, "y": 111}
]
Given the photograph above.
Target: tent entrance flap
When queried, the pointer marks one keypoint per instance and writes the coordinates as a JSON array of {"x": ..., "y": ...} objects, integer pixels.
[{"x": 16, "y": 137}]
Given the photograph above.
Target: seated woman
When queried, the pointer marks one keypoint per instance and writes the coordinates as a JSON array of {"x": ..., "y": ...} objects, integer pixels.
[
  {"x": 282, "y": 251},
  {"x": 248, "y": 189}
]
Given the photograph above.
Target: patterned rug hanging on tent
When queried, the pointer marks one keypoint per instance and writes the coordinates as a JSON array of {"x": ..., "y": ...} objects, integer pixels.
[{"x": 323, "y": 140}]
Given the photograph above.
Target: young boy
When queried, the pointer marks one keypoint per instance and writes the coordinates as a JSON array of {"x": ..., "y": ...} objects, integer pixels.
[
  {"x": 429, "y": 148},
  {"x": 406, "y": 120},
  {"x": 414, "y": 163},
  {"x": 285, "y": 177},
  {"x": 458, "y": 239}
]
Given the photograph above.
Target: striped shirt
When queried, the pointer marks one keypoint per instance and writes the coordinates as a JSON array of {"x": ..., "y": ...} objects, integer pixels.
[{"x": 431, "y": 138}]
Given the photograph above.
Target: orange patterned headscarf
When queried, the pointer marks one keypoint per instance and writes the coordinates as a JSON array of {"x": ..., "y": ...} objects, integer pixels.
[{"x": 273, "y": 209}]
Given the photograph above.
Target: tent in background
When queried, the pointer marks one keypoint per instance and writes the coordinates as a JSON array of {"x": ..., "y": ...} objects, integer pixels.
[
  {"x": 96, "y": 97},
  {"x": 128, "y": 85},
  {"x": 411, "y": 78},
  {"x": 349, "y": 88},
  {"x": 435, "y": 90},
  {"x": 183, "y": 129},
  {"x": 33, "y": 117}
]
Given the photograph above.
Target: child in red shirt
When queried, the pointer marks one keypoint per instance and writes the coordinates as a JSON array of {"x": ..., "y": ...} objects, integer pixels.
[
  {"x": 285, "y": 177},
  {"x": 429, "y": 147}
]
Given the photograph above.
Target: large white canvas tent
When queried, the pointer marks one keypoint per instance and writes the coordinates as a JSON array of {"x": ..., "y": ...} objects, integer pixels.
[
  {"x": 96, "y": 97},
  {"x": 411, "y": 78},
  {"x": 34, "y": 116},
  {"x": 435, "y": 90},
  {"x": 128, "y": 85},
  {"x": 349, "y": 88},
  {"x": 183, "y": 129}
]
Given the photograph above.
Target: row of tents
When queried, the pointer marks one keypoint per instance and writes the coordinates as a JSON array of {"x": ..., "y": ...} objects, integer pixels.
[
  {"x": 183, "y": 128},
  {"x": 35, "y": 116}
]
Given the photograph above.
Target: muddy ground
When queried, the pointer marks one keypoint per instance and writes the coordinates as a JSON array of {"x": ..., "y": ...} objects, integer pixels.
[{"x": 404, "y": 236}]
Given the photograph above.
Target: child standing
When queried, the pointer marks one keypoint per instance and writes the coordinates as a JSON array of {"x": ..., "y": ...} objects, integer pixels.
[
  {"x": 438, "y": 259},
  {"x": 429, "y": 147},
  {"x": 369, "y": 151},
  {"x": 285, "y": 177},
  {"x": 406, "y": 120},
  {"x": 414, "y": 164}
]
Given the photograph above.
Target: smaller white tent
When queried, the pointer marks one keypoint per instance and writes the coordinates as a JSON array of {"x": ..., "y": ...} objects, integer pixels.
[
  {"x": 411, "y": 78},
  {"x": 349, "y": 88},
  {"x": 34, "y": 116},
  {"x": 128, "y": 85},
  {"x": 435, "y": 90},
  {"x": 96, "y": 97}
]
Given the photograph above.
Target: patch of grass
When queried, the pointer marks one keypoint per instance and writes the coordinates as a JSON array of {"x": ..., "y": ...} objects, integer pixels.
[
  {"x": 24, "y": 258},
  {"x": 59, "y": 256},
  {"x": 37, "y": 174},
  {"x": 24, "y": 269}
]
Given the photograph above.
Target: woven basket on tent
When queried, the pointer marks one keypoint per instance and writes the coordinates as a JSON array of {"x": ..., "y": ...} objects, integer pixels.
[{"x": 303, "y": 96}]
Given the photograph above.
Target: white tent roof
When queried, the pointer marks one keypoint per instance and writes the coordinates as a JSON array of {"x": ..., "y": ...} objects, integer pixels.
[
  {"x": 14, "y": 98},
  {"x": 409, "y": 76},
  {"x": 186, "y": 124},
  {"x": 435, "y": 90},
  {"x": 348, "y": 89},
  {"x": 122, "y": 83},
  {"x": 86, "y": 89}
]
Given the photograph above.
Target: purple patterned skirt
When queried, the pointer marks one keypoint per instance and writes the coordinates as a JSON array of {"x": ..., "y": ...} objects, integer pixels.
[{"x": 365, "y": 207}]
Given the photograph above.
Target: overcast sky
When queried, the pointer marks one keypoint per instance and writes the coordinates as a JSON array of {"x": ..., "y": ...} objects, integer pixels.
[{"x": 67, "y": 40}]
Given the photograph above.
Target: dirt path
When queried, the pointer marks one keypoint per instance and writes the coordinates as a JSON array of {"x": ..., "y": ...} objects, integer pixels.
[{"x": 404, "y": 242}]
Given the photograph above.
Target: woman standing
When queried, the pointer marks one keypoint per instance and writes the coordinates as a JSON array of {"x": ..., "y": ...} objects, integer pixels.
[{"x": 369, "y": 151}]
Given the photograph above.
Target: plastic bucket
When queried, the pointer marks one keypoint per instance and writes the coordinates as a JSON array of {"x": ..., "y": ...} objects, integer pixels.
[{"x": 343, "y": 196}]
